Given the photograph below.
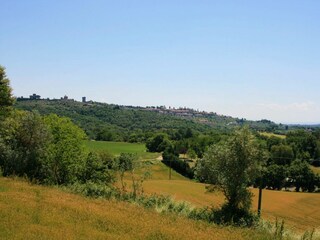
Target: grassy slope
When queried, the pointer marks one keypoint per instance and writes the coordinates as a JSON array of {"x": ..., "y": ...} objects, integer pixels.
[
  {"x": 37, "y": 212},
  {"x": 299, "y": 210}
]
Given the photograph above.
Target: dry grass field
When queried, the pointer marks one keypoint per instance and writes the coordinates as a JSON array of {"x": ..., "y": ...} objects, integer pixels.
[
  {"x": 272, "y": 135},
  {"x": 38, "y": 212},
  {"x": 300, "y": 211},
  {"x": 315, "y": 169}
]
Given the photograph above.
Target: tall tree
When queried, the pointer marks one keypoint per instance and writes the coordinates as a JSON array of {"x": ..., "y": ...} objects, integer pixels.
[
  {"x": 24, "y": 146},
  {"x": 6, "y": 98},
  {"x": 66, "y": 162}
]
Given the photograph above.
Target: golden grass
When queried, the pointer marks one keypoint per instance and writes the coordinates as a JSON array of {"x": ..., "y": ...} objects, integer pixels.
[
  {"x": 161, "y": 171},
  {"x": 272, "y": 135},
  {"x": 315, "y": 169},
  {"x": 38, "y": 212},
  {"x": 301, "y": 211}
]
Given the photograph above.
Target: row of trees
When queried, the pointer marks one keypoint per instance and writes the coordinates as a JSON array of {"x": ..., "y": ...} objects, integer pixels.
[{"x": 286, "y": 163}]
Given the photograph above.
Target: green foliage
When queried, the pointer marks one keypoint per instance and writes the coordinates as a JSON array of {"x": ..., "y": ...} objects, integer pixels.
[
  {"x": 232, "y": 166},
  {"x": 24, "y": 145},
  {"x": 272, "y": 141},
  {"x": 302, "y": 176},
  {"x": 116, "y": 148},
  {"x": 191, "y": 154},
  {"x": 282, "y": 154},
  {"x": 112, "y": 122},
  {"x": 170, "y": 154},
  {"x": 279, "y": 230},
  {"x": 171, "y": 158},
  {"x": 235, "y": 216},
  {"x": 6, "y": 98},
  {"x": 99, "y": 168},
  {"x": 304, "y": 144},
  {"x": 158, "y": 143},
  {"x": 94, "y": 189},
  {"x": 66, "y": 160},
  {"x": 46, "y": 149},
  {"x": 201, "y": 143},
  {"x": 124, "y": 163},
  {"x": 274, "y": 177}
]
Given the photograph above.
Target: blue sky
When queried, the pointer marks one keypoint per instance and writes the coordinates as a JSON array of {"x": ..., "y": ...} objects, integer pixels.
[{"x": 251, "y": 59}]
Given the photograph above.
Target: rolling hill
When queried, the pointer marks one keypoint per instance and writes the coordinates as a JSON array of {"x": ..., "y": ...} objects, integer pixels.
[{"x": 123, "y": 122}]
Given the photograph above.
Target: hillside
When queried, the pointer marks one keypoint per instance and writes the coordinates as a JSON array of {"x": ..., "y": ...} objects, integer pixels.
[
  {"x": 38, "y": 212},
  {"x": 298, "y": 210},
  {"x": 127, "y": 123}
]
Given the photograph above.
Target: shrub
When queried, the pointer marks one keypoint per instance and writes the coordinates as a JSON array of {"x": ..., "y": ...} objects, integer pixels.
[
  {"x": 95, "y": 190},
  {"x": 234, "y": 216}
]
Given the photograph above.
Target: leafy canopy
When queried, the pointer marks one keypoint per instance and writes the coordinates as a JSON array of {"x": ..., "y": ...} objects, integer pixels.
[
  {"x": 232, "y": 165},
  {"x": 6, "y": 98}
]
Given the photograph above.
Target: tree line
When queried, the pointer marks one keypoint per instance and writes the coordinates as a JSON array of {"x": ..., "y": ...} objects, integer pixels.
[{"x": 286, "y": 165}]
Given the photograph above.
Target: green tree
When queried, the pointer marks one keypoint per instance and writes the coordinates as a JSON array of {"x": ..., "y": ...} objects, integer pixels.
[
  {"x": 304, "y": 144},
  {"x": 25, "y": 146},
  {"x": 170, "y": 154},
  {"x": 158, "y": 143},
  {"x": 231, "y": 166},
  {"x": 6, "y": 98},
  {"x": 274, "y": 176},
  {"x": 66, "y": 161},
  {"x": 192, "y": 154},
  {"x": 125, "y": 162},
  {"x": 302, "y": 175},
  {"x": 282, "y": 154},
  {"x": 98, "y": 169}
]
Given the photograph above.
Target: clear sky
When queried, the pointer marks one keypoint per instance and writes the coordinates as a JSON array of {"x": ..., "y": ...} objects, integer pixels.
[{"x": 251, "y": 59}]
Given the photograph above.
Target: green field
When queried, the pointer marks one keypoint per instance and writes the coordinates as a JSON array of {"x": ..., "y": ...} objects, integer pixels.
[{"x": 116, "y": 148}]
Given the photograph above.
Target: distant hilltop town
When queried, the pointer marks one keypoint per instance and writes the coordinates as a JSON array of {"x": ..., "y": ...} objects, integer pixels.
[
  {"x": 38, "y": 97},
  {"x": 209, "y": 118},
  {"x": 181, "y": 111}
]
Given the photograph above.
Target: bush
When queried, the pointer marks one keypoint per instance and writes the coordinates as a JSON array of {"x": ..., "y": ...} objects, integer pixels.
[
  {"x": 95, "y": 190},
  {"x": 98, "y": 169},
  {"x": 234, "y": 216},
  {"x": 204, "y": 214},
  {"x": 171, "y": 158},
  {"x": 181, "y": 167}
]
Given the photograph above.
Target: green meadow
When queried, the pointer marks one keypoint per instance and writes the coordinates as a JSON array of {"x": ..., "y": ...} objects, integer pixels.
[{"x": 116, "y": 148}]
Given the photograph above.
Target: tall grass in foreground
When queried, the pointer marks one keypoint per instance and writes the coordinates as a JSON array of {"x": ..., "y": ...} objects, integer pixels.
[
  {"x": 30, "y": 211},
  {"x": 167, "y": 205}
]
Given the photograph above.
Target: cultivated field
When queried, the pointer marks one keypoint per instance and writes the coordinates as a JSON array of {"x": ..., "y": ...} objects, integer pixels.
[{"x": 38, "y": 212}]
